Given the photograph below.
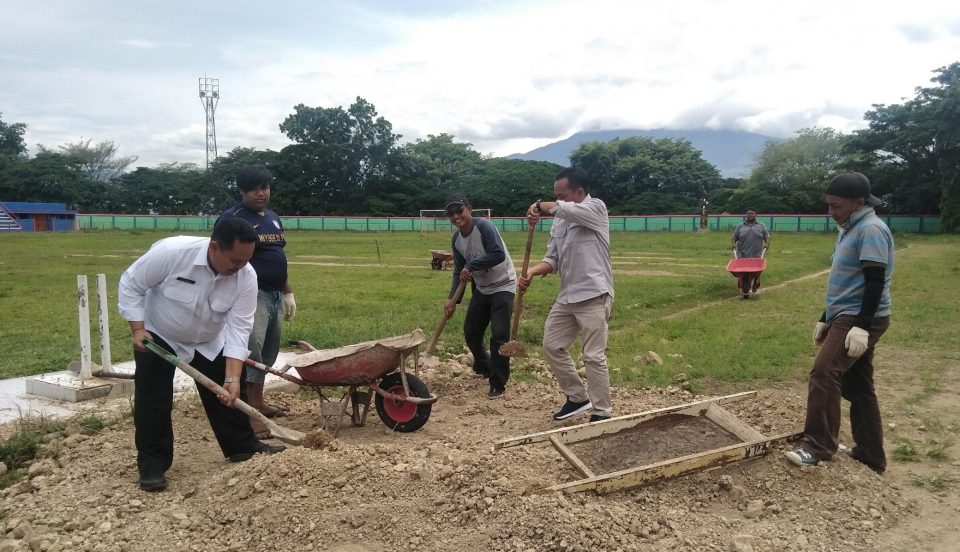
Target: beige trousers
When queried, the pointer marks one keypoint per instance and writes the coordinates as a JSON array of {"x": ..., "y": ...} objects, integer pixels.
[{"x": 560, "y": 331}]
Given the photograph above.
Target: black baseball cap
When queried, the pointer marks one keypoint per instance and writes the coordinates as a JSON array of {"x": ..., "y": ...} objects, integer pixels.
[
  {"x": 456, "y": 198},
  {"x": 852, "y": 185}
]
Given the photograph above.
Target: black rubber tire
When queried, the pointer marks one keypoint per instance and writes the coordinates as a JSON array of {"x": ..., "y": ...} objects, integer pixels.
[{"x": 393, "y": 383}]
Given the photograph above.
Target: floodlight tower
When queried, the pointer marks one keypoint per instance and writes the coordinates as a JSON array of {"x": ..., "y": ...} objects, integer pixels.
[{"x": 209, "y": 95}]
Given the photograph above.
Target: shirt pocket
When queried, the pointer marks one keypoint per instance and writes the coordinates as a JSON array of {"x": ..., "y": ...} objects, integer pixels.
[
  {"x": 558, "y": 230},
  {"x": 180, "y": 292},
  {"x": 219, "y": 307},
  {"x": 580, "y": 235}
]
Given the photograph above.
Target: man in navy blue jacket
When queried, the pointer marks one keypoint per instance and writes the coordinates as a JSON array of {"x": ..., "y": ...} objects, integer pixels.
[
  {"x": 275, "y": 297},
  {"x": 481, "y": 258}
]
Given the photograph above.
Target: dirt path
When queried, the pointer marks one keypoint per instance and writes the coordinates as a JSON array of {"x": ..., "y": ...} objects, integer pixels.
[
  {"x": 442, "y": 488},
  {"x": 763, "y": 290},
  {"x": 917, "y": 393}
]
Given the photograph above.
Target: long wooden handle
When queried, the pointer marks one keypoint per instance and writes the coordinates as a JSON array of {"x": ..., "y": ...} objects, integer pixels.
[
  {"x": 282, "y": 433},
  {"x": 457, "y": 295},
  {"x": 270, "y": 370},
  {"x": 523, "y": 272}
]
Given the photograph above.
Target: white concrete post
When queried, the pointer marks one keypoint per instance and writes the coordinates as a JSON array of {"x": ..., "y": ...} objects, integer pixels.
[
  {"x": 83, "y": 307},
  {"x": 103, "y": 317}
]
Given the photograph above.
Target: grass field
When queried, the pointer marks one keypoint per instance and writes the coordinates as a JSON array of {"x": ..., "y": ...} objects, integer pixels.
[{"x": 352, "y": 287}]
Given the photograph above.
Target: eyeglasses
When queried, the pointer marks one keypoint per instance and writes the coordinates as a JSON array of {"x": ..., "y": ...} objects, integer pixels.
[{"x": 455, "y": 210}]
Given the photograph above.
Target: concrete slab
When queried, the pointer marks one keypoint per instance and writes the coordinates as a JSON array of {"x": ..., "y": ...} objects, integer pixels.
[{"x": 71, "y": 388}]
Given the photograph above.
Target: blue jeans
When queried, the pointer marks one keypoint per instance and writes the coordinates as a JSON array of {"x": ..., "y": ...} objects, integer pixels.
[{"x": 264, "y": 341}]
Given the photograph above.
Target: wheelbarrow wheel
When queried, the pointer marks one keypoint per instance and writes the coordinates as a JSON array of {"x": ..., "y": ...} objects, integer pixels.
[{"x": 403, "y": 416}]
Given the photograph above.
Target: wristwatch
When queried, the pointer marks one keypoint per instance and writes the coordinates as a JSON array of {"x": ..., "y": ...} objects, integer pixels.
[
  {"x": 231, "y": 379},
  {"x": 539, "y": 210}
]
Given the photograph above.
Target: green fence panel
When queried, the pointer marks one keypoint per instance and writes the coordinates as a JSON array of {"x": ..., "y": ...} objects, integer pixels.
[{"x": 925, "y": 224}]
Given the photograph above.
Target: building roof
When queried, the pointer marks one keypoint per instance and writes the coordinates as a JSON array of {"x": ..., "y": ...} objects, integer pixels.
[{"x": 26, "y": 208}]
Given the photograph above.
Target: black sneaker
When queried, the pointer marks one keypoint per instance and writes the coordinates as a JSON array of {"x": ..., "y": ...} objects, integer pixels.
[
  {"x": 153, "y": 483},
  {"x": 261, "y": 448},
  {"x": 801, "y": 458},
  {"x": 495, "y": 392},
  {"x": 571, "y": 408},
  {"x": 598, "y": 418}
]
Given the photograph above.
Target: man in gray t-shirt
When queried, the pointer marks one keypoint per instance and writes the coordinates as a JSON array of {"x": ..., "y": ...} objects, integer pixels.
[
  {"x": 481, "y": 258},
  {"x": 749, "y": 239}
]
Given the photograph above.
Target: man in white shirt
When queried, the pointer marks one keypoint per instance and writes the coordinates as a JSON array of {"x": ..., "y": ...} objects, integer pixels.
[
  {"x": 579, "y": 250},
  {"x": 195, "y": 297}
]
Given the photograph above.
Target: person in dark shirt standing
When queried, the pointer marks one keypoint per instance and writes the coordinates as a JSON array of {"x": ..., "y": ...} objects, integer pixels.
[
  {"x": 481, "y": 258},
  {"x": 275, "y": 297}
]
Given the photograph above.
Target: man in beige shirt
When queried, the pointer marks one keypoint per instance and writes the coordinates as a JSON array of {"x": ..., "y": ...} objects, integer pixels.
[{"x": 579, "y": 250}]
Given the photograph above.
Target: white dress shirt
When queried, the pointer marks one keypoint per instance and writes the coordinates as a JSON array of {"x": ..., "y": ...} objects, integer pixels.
[
  {"x": 176, "y": 294},
  {"x": 579, "y": 250}
]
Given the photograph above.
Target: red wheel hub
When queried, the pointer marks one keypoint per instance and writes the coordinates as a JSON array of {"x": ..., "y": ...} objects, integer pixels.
[{"x": 399, "y": 411}]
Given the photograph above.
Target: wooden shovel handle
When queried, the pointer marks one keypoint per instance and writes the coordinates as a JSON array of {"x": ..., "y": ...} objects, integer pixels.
[
  {"x": 457, "y": 295},
  {"x": 282, "y": 433},
  {"x": 523, "y": 272}
]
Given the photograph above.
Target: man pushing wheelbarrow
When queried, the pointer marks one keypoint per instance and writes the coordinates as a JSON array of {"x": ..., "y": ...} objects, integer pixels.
[{"x": 749, "y": 242}]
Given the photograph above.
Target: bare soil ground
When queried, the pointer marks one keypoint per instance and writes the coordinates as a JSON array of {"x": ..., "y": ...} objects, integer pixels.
[{"x": 443, "y": 488}]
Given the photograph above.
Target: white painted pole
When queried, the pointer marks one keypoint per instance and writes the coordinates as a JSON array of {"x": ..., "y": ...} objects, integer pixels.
[
  {"x": 83, "y": 307},
  {"x": 103, "y": 316}
]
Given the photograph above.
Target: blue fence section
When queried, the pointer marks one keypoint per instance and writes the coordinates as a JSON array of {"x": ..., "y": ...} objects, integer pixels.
[{"x": 926, "y": 224}]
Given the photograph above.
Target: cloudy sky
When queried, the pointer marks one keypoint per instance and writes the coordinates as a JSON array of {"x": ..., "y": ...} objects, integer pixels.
[{"x": 506, "y": 76}]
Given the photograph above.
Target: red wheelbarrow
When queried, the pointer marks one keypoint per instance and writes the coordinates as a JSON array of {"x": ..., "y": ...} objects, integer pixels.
[
  {"x": 373, "y": 368},
  {"x": 747, "y": 272}
]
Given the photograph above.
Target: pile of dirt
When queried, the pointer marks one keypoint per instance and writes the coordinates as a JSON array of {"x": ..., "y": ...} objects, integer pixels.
[{"x": 440, "y": 488}]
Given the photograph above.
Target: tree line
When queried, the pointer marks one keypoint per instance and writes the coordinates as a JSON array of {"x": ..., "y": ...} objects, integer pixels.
[{"x": 349, "y": 161}]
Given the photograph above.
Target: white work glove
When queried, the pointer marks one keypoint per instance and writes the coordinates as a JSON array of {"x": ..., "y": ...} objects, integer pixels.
[
  {"x": 289, "y": 306},
  {"x": 856, "y": 341},
  {"x": 820, "y": 333}
]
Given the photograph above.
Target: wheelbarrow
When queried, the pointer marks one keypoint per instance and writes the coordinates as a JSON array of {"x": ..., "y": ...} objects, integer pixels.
[
  {"x": 747, "y": 272},
  {"x": 372, "y": 369},
  {"x": 442, "y": 260}
]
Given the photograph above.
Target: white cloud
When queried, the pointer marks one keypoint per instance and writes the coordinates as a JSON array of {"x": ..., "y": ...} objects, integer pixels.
[{"x": 507, "y": 77}]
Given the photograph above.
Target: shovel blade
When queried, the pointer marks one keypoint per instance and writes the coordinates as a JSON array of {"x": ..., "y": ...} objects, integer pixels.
[
  {"x": 513, "y": 349},
  {"x": 285, "y": 434}
]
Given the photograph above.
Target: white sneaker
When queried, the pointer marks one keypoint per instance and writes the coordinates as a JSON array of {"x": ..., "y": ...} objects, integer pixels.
[{"x": 845, "y": 449}]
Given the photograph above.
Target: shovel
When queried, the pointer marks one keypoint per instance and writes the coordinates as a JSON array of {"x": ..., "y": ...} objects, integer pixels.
[
  {"x": 457, "y": 295},
  {"x": 514, "y": 348},
  {"x": 286, "y": 435}
]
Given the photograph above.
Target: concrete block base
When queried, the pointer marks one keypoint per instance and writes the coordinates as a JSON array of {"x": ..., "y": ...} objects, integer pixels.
[{"x": 70, "y": 388}]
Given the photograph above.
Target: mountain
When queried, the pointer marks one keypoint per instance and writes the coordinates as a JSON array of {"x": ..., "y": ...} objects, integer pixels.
[{"x": 732, "y": 152}]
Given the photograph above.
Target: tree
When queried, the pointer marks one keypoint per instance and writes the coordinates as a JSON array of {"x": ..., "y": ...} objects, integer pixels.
[
  {"x": 49, "y": 177},
  {"x": 640, "y": 175},
  {"x": 508, "y": 186},
  {"x": 11, "y": 138},
  {"x": 789, "y": 176},
  {"x": 169, "y": 189},
  {"x": 338, "y": 155},
  {"x": 912, "y": 150},
  {"x": 99, "y": 162},
  {"x": 432, "y": 167}
]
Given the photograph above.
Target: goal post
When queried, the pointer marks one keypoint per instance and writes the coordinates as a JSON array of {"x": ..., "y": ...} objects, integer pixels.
[{"x": 432, "y": 220}]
